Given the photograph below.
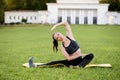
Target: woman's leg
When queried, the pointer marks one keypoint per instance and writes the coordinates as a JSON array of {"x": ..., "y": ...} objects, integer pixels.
[
  {"x": 86, "y": 60},
  {"x": 58, "y": 63},
  {"x": 53, "y": 63}
]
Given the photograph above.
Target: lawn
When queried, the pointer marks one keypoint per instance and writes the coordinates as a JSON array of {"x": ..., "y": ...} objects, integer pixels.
[{"x": 19, "y": 42}]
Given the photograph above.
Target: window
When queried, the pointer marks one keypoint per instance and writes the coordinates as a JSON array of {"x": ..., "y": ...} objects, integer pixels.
[
  {"x": 35, "y": 17},
  {"x": 68, "y": 12},
  {"x": 77, "y": 20},
  {"x": 77, "y": 16},
  {"x": 94, "y": 16},
  {"x": 59, "y": 15},
  {"x": 31, "y": 17},
  {"x": 69, "y": 19},
  {"x": 85, "y": 20},
  {"x": 94, "y": 20},
  {"x": 10, "y": 17},
  {"x": 14, "y": 17},
  {"x": 18, "y": 17},
  {"x": 59, "y": 19},
  {"x": 86, "y": 16}
]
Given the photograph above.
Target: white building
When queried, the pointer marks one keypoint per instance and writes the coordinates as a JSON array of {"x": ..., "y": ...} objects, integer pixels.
[
  {"x": 31, "y": 16},
  {"x": 113, "y": 18},
  {"x": 73, "y": 11}
]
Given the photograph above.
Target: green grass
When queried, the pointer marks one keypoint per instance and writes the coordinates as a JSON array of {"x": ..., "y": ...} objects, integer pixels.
[{"x": 19, "y": 42}]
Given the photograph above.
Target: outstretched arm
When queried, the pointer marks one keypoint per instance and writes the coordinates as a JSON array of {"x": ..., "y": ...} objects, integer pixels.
[{"x": 68, "y": 29}]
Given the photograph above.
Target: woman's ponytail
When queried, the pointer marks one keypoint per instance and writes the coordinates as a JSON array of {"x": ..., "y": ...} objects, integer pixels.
[{"x": 55, "y": 44}]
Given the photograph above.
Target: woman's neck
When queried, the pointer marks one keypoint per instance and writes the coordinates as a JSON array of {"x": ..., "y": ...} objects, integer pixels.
[{"x": 66, "y": 41}]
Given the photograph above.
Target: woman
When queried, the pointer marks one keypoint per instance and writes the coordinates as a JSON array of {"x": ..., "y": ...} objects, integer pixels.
[{"x": 69, "y": 48}]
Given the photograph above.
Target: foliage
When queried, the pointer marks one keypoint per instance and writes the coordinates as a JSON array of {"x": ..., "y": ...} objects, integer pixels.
[
  {"x": 27, "y": 4},
  {"x": 2, "y": 9},
  {"x": 114, "y": 4},
  {"x": 19, "y": 42}
]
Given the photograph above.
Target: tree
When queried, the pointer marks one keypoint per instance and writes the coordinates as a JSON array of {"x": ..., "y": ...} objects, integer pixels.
[
  {"x": 114, "y": 4},
  {"x": 2, "y": 9},
  {"x": 27, "y": 4},
  {"x": 16, "y": 4},
  {"x": 35, "y": 5},
  {"x": 38, "y": 4}
]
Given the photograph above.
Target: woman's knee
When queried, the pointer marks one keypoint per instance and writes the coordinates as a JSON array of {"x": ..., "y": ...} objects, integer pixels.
[{"x": 89, "y": 56}]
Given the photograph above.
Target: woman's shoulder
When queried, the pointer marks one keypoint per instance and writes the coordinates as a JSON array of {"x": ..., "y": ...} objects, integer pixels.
[{"x": 70, "y": 38}]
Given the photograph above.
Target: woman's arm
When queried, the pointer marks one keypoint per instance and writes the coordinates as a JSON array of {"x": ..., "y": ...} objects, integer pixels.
[
  {"x": 70, "y": 57},
  {"x": 68, "y": 29}
]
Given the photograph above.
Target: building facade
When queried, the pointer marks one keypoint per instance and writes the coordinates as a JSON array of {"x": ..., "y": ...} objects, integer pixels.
[
  {"x": 30, "y": 16},
  {"x": 73, "y": 11}
]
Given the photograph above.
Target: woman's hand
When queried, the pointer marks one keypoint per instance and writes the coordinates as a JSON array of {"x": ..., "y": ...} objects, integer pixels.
[
  {"x": 58, "y": 24},
  {"x": 68, "y": 29},
  {"x": 53, "y": 27}
]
